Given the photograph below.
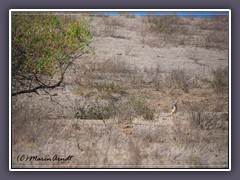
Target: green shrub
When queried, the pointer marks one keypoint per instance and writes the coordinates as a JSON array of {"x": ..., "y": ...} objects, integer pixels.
[
  {"x": 108, "y": 88},
  {"x": 134, "y": 107},
  {"x": 94, "y": 110},
  {"x": 141, "y": 108},
  {"x": 43, "y": 46}
]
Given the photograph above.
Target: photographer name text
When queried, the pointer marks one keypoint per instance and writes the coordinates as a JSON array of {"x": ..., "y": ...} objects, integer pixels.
[{"x": 24, "y": 157}]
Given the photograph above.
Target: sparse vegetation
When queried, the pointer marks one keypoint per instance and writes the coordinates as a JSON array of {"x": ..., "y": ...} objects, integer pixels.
[
  {"x": 94, "y": 110},
  {"x": 218, "y": 40},
  {"x": 164, "y": 24},
  {"x": 178, "y": 78},
  {"x": 141, "y": 108},
  {"x": 107, "y": 89},
  {"x": 114, "y": 66},
  {"x": 156, "y": 78},
  {"x": 176, "y": 31},
  {"x": 134, "y": 107},
  {"x": 213, "y": 24},
  {"x": 110, "y": 25},
  {"x": 111, "y": 21},
  {"x": 114, "y": 109},
  {"x": 220, "y": 79},
  {"x": 29, "y": 122}
]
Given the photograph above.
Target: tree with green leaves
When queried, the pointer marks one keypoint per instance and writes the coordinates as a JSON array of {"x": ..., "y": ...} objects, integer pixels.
[{"x": 43, "y": 46}]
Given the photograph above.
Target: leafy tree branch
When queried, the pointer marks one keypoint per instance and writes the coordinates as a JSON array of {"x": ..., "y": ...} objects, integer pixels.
[{"x": 43, "y": 47}]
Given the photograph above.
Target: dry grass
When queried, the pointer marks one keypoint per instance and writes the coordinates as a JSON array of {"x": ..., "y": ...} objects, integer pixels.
[
  {"x": 30, "y": 123},
  {"x": 101, "y": 78},
  {"x": 107, "y": 89},
  {"x": 119, "y": 142},
  {"x": 26, "y": 124},
  {"x": 175, "y": 31},
  {"x": 114, "y": 143},
  {"x": 121, "y": 113},
  {"x": 114, "y": 66},
  {"x": 178, "y": 79},
  {"x": 164, "y": 24},
  {"x": 93, "y": 110},
  {"x": 217, "y": 40},
  {"x": 220, "y": 79},
  {"x": 111, "y": 21},
  {"x": 110, "y": 25},
  {"x": 141, "y": 108},
  {"x": 217, "y": 23},
  {"x": 124, "y": 111}
]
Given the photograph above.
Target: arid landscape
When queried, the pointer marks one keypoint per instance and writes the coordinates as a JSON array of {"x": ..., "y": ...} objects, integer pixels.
[{"x": 113, "y": 109}]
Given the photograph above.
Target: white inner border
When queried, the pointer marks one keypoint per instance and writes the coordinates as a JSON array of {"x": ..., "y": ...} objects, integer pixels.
[{"x": 114, "y": 10}]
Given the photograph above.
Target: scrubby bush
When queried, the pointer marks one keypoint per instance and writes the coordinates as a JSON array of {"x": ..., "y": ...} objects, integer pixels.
[
  {"x": 220, "y": 79},
  {"x": 94, "y": 110},
  {"x": 43, "y": 46},
  {"x": 164, "y": 24},
  {"x": 134, "y": 107},
  {"x": 178, "y": 78}
]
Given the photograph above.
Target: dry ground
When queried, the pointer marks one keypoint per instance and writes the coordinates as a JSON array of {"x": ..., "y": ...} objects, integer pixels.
[{"x": 113, "y": 109}]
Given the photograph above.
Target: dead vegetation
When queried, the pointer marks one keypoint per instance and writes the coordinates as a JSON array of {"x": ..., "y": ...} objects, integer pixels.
[
  {"x": 124, "y": 116},
  {"x": 31, "y": 125},
  {"x": 220, "y": 79},
  {"x": 165, "y": 30},
  {"x": 178, "y": 79},
  {"x": 115, "y": 114}
]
